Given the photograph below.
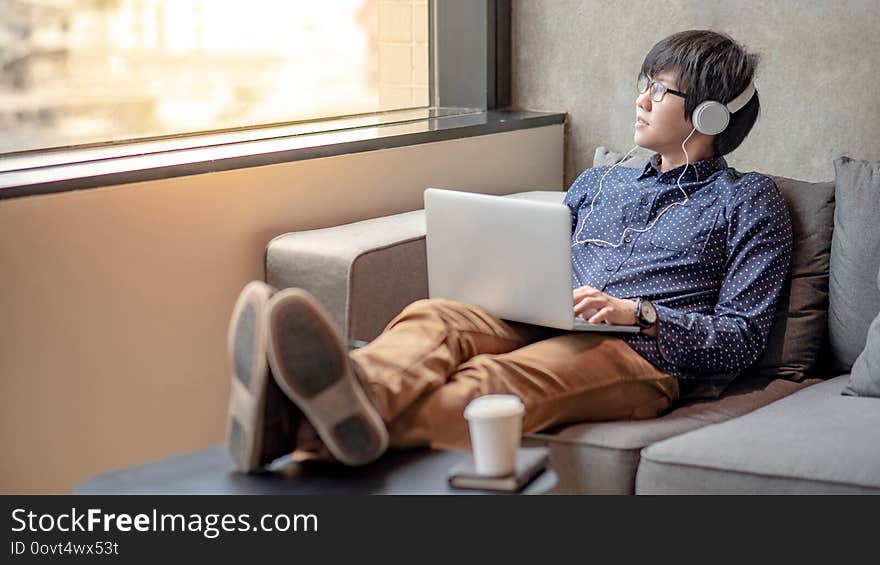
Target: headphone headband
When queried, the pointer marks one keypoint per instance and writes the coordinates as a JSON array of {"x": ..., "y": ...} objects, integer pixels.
[
  {"x": 742, "y": 99},
  {"x": 711, "y": 117}
]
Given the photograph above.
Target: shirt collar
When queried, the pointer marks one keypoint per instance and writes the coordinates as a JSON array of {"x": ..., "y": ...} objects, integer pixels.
[{"x": 698, "y": 171}]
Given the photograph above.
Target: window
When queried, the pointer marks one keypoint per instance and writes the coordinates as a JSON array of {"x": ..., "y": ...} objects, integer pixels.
[
  {"x": 80, "y": 72},
  {"x": 95, "y": 93}
]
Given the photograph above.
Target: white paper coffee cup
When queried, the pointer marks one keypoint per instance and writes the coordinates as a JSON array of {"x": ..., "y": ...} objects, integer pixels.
[{"x": 495, "y": 424}]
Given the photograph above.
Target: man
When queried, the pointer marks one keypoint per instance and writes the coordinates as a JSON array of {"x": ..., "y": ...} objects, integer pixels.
[{"x": 688, "y": 248}]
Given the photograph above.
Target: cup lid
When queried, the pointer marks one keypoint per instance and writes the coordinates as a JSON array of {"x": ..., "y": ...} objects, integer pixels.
[{"x": 494, "y": 406}]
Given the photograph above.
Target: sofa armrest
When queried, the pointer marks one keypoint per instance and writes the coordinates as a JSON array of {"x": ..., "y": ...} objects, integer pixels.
[{"x": 364, "y": 273}]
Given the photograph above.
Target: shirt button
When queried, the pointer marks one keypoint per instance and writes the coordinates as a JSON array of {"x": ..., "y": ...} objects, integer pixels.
[
  {"x": 627, "y": 239},
  {"x": 609, "y": 268},
  {"x": 644, "y": 200}
]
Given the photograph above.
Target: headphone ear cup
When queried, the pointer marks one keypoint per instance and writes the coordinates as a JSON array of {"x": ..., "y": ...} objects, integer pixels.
[{"x": 710, "y": 117}]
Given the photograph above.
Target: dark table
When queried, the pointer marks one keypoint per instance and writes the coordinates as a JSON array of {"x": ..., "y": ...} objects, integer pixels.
[{"x": 211, "y": 471}]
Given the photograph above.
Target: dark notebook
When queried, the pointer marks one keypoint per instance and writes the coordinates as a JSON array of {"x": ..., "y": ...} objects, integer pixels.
[{"x": 530, "y": 461}]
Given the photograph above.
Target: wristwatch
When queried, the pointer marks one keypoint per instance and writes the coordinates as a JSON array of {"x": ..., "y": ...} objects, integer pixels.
[{"x": 646, "y": 314}]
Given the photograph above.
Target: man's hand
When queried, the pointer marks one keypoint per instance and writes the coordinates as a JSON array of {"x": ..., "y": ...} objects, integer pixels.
[{"x": 618, "y": 311}]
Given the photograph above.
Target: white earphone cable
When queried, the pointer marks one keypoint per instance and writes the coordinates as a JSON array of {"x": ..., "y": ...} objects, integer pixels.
[{"x": 626, "y": 229}]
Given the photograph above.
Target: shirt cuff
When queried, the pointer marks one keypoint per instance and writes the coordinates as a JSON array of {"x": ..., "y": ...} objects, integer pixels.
[{"x": 672, "y": 328}]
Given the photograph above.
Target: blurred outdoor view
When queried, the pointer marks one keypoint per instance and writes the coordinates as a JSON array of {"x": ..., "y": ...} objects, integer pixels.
[{"x": 87, "y": 71}]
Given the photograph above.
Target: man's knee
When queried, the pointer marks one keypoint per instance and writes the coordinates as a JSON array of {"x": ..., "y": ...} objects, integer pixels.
[
  {"x": 427, "y": 310},
  {"x": 438, "y": 306}
]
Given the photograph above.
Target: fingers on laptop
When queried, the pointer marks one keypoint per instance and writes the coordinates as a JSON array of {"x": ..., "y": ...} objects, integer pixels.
[{"x": 593, "y": 303}]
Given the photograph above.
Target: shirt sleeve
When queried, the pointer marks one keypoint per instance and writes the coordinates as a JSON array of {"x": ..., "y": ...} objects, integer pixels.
[
  {"x": 585, "y": 185},
  {"x": 759, "y": 247}
]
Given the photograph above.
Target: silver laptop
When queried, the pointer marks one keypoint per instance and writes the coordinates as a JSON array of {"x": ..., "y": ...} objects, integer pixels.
[{"x": 509, "y": 256}]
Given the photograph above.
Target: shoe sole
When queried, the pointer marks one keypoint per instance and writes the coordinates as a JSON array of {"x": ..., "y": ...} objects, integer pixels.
[
  {"x": 311, "y": 366},
  {"x": 246, "y": 344}
]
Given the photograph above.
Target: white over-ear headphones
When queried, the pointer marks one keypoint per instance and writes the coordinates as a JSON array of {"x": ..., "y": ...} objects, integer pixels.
[{"x": 711, "y": 117}]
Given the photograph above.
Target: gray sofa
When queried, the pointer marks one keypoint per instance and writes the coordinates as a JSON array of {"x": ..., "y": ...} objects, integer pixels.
[{"x": 781, "y": 427}]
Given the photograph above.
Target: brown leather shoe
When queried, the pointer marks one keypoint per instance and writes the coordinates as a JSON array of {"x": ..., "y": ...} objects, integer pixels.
[
  {"x": 262, "y": 421},
  {"x": 311, "y": 365}
]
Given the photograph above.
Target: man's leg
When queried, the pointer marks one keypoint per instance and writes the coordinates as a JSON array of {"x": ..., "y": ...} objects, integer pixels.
[
  {"x": 348, "y": 399},
  {"x": 568, "y": 378},
  {"x": 426, "y": 343}
]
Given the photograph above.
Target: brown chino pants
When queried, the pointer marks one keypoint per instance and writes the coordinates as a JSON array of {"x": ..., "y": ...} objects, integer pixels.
[{"x": 437, "y": 355}]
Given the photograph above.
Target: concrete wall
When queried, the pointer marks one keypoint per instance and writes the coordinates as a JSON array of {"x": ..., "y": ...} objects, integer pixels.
[
  {"x": 115, "y": 301},
  {"x": 818, "y": 81}
]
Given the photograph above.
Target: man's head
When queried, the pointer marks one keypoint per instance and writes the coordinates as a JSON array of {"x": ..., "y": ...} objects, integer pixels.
[{"x": 703, "y": 65}]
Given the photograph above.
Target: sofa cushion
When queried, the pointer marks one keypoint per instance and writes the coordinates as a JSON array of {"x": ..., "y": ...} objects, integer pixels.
[
  {"x": 865, "y": 378},
  {"x": 855, "y": 256},
  {"x": 800, "y": 321},
  {"x": 602, "y": 457},
  {"x": 814, "y": 441}
]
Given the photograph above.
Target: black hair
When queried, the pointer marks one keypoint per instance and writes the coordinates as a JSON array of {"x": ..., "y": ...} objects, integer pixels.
[{"x": 709, "y": 65}]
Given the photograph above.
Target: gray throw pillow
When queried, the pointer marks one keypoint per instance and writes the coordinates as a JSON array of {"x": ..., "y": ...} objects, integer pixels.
[
  {"x": 865, "y": 377},
  {"x": 801, "y": 317},
  {"x": 637, "y": 160},
  {"x": 855, "y": 257},
  {"x": 799, "y": 323}
]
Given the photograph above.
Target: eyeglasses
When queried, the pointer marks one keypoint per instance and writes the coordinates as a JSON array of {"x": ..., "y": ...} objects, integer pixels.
[{"x": 658, "y": 89}]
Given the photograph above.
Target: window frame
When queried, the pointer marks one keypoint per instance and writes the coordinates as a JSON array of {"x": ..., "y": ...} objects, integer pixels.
[{"x": 467, "y": 96}]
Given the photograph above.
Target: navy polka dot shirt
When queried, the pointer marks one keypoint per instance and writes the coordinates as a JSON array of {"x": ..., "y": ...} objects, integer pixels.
[{"x": 714, "y": 268}]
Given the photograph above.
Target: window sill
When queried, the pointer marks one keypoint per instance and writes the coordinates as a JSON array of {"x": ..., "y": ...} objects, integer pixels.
[{"x": 36, "y": 173}]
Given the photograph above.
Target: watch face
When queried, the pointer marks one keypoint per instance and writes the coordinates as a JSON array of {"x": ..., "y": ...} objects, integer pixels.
[{"x": 649, "y": 313}]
